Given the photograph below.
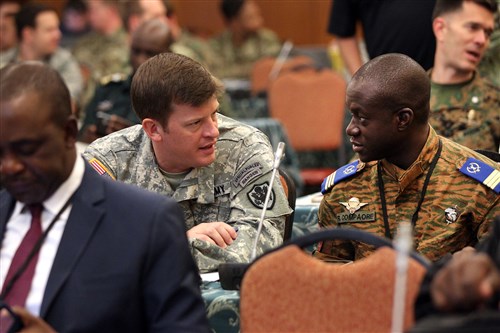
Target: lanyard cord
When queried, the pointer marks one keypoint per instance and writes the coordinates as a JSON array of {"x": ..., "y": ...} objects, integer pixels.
[
  {"x": 381, "y": 189},
  {"x": 33, "y": 252}
]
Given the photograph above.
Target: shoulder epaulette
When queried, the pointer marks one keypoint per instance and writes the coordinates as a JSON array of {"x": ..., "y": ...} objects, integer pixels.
[
  {"x": 116, "y": 77},
  {"x": 482, "y": 172},
  {"x": 340, "y": 174}
]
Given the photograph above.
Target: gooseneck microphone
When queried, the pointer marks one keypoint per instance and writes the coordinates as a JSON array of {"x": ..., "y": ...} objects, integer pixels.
[{"x": 231, "y": 274}]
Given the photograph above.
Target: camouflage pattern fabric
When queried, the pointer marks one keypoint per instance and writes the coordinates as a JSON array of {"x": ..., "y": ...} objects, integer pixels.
[
  {"x": 62, "y": 61},
  {"x": 100, "y": 55},
  {"x": 236, "y": 62},
  {"x": 490, "y": 64},
  {"x": 467, "y": 113},
  {"x": 232, "y": 189},
  {"x": 457, "y": 209},
  {"x": 195, "y": 48}
]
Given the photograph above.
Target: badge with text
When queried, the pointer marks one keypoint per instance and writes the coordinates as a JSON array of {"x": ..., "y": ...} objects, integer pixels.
[
  {"x": 354, "y": 214},
  {"x": 257, "y": 196}
]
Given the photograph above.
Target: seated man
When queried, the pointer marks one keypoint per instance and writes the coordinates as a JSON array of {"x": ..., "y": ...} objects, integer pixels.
[
  {"x": 243, "y": 42},
  {"x": 405, "y": 171},
  {"x": 465, "y": 106},
  {"x": 112, "y": 258},
  {"x": 463, "y": 283},
  {"x": 216, "y": 168},
  {"x": 111, "y": 108}
]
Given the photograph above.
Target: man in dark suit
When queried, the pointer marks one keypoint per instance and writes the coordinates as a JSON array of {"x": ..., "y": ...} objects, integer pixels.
[{"x": 115, "y": 258}]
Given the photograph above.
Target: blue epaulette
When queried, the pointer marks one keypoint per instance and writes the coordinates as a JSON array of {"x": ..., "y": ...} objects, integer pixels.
[
  {"x": 482, "y": 172},
  {"x": 341, "y": 173}
]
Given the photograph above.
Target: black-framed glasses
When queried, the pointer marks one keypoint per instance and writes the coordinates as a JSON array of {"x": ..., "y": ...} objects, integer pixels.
[{"x": 9, "y": 321}]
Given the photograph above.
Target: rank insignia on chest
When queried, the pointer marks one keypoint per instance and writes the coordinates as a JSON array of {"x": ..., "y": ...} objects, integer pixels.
[
  {"x": 342, "y": 173},
  {"x": 482, "y": 172}
]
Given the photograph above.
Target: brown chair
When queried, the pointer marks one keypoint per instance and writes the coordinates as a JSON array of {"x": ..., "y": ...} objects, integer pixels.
[
  {"x": 311, "y": 107},
  {"x": 291, "y": 193},
  {"x": 288, "y": 290},
  {"x": 259, "y": 76}
]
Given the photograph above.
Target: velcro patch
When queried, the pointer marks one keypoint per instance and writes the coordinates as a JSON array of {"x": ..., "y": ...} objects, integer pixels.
[
  {"x": 100, "y": 168},
  {"x": 247, "y": 174},
  {"x": 482, "y": 172},
  {"x": 341, "y": 173},
  {"x": 257, "y": 196}
]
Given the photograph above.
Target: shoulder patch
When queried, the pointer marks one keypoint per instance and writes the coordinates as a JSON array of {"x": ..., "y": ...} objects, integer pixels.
[
  {"x": 100, "y": 168},
  {"x": 116, "y": 77},
  {"x": 340, "y": 174},
  {"x": 482, "y": 172}
]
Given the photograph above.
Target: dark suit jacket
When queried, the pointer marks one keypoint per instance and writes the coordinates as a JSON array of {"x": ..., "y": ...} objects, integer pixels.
[{"x": 123, "y": 264}]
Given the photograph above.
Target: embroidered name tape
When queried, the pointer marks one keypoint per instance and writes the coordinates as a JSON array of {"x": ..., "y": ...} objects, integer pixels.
[
  {"x": 342, "y": 173},
  {"x": 482, "y": 172}
]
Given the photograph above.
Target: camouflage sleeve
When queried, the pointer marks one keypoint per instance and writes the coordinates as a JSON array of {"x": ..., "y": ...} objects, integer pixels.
[
  {"x": 250, "y": 182},
  {"x": 330, "y": 250},
  {"x": 104, "y": 164}
]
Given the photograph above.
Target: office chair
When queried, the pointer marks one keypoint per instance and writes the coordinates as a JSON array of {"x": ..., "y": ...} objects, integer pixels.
[{"x": 287, "y": 290}]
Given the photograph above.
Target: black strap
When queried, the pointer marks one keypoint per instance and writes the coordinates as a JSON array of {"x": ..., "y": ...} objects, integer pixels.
[
  {"x": 383, "y": 202},
  {"x": 34, "y": 251}
]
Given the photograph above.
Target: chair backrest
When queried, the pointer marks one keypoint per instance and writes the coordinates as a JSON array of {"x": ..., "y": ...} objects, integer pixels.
[
  {"x": 288, "y": 290},
  {"x": 259, "y": 76},
  {"x": 310, "y": 105},
  {"x": 291, "y": 193}
]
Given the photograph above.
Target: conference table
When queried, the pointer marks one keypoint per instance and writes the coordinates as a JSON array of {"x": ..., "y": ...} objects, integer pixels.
[{"x": 223, "y": 305}]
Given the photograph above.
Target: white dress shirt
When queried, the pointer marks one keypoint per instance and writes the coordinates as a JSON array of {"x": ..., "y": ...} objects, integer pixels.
[{"x": 19, "y": 224}]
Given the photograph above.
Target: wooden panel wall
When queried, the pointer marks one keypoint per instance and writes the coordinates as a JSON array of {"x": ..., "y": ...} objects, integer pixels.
[{"x": 304, "y": 22}]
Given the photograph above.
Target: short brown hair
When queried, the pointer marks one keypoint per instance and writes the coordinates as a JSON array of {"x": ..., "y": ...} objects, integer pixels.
[
  {"x": 448, "y": 6},
  {"x": 168, "y": 79}
]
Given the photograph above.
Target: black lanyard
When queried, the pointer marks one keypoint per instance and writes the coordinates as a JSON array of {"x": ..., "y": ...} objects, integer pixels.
[
  {"x": 33, "y": 252},
  {"x": 422, "y": 193}
]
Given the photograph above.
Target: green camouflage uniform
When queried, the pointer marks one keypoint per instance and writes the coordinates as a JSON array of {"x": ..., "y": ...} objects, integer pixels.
[
  {"x": 111, "y": 97},
  {"x": 457, "y": 209},
  {"x": 196, "y": 49},
  {"x": 490, "y": 64},
  {"x": 236, "y": 62},
  {"x": 62, "y": 61},
  {"x": 102, "y": 55},
  {"x": 232, "y": 189},
  {"x": 467, "y": 113}
]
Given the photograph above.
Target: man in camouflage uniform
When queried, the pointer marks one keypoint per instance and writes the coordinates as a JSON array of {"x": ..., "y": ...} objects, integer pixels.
[
  {"x": 111, "y": 109},
  {"x": 244, "y": 42},
  {"x": 464, "y": 105},
  {"x": 39, "y": 37},
  {"x": 405, "y": 171},
  {"x": 217, "y": 169},
  {"x": 490, "y": 64},
  {"x": 104, "y": 50}
]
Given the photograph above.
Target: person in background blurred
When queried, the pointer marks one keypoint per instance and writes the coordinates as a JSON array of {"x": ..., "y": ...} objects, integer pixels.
[
  {"x": 465, "y": 106},
  {"x": 111, "y": 109},
  {"x": 244, "y": 41},
  {"x": 74, "y": 22},
  {"x": 38, "y": 34},
  {"x": 389, "y": 26},
  {"x": 8, "y": 35}
]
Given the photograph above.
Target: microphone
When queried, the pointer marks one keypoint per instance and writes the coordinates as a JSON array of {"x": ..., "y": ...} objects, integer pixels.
[{"x": 231, "y": 274}]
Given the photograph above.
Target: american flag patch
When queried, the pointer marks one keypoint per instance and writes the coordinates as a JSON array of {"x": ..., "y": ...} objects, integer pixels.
[{"x": 99, "y": 167}]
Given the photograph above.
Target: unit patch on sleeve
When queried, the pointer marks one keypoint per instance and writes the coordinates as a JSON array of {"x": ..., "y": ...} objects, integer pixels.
[
  {"x": 482, "y": 172},
  {"x": 257, "y": 196}
]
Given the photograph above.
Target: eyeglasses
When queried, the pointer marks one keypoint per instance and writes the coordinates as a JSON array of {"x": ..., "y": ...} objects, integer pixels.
[{"x": 9, "y": 321}]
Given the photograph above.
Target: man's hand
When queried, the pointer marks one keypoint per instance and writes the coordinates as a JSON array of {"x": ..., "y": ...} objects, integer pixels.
[
  {"x": 466, "y": 283},
  {"x": 218, "y": 233},
  {"x": 32, "y": 324}
]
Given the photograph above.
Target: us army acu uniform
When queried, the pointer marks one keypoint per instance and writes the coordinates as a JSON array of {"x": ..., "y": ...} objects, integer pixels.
[
  {"x": 112, "y": 97},
  {"x": 231, "y": 190},
  {"x": 467, "y": 113},
  {"x": 459, "y": 203},
  {"x": 237, "y": 61}
]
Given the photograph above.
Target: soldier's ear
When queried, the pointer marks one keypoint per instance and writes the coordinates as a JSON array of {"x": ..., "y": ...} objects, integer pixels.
[
  {"x": 153, "y": 129},
  {"x": 404, "y": 118}
]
